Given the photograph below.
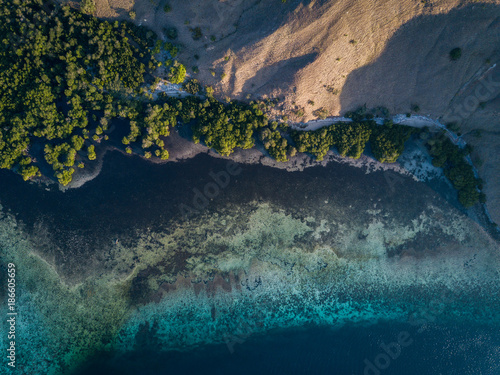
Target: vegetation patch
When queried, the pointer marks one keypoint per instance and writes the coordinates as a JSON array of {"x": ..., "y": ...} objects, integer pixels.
[
  {"x": 170, "y": 32},
  {"x": 88, "y": 6},
  {"x": 222, "y": 127},
  {"x": 388, "y": 141},
  {"x": 322, "y": 113},
  {"x": 192, "y": 87},
  {"x": 59, "y": 69},
  {"x": 196, "y": 33},
  {"x": 455, "y": 54},
  {"x": 276, "y": 144},
  {"x": 177, "y": 73},
  {"x": 349, "y": 138},
  {"x": 451, "y": 158}
]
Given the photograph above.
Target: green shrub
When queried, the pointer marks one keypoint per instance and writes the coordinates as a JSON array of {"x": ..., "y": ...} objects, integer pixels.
[
  {"x": 192, "y": 86},
  {"x": 197, "y": 33},
  {"x": 177, "y": 73},
  {"x": 455, "y": 54},
  {"x": 209, "y": 90},
  {"x": 88, "y": 6},
  {"x": 322, "y": 113},
  {"x": 171, "y": 49},
  {"x": 170, "y": 33}
]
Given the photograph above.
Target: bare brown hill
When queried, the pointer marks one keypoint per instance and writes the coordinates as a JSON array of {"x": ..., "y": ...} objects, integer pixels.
[
  {"x": 415, "y": 66},
  {"x": 337, "y": 54}
]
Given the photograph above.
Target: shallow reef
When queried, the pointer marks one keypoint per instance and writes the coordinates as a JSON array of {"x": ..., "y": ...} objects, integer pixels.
[{"x": 236, "y": 271}]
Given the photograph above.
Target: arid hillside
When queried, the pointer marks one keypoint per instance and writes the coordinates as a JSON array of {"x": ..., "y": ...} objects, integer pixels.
[{"x": 336, "y": 55}]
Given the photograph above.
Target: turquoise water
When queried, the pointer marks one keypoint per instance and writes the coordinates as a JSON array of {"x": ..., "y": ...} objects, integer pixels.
[{"x": 305, "y": 272}]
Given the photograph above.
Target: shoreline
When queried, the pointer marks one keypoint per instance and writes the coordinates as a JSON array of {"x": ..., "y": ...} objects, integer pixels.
[
  {"x": 414, "y": 162},
  {"x": 181, "y": 148}
]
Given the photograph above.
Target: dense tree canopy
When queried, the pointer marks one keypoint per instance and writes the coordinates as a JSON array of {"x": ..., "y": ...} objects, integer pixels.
[
  {"x": 57, "y": 68},
  {"x": 276, "y": 144},
  {"x": 388, "y": 141},
  {"x": 349, "y": 138},
  {"x": 222, "y": 127},
  {"x": 450, "y": 157}
]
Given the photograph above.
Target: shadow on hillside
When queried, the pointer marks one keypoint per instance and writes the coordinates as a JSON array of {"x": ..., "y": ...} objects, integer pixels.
[
  {"x": 415, "y": 67},
  {"x": 277, "y": 76}
]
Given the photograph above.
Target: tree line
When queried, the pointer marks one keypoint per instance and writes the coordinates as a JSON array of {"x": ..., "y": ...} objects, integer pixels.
[{"x": 451, "y": 158}]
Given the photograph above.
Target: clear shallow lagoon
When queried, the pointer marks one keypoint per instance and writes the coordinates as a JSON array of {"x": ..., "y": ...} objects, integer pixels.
[{"x": 303, "y": 272}]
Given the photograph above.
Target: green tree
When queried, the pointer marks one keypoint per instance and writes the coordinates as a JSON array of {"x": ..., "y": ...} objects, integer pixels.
[
  {"x": 77, "y": 142},
  {"x": 65, "y": 176},
  {"x": 88, "y": 6},
  {"x": 177, "y": 73},
  {"x": 455, "y": 54},
  {"x": 91, "y": 152},
  {"x": 29, "y": 171}
]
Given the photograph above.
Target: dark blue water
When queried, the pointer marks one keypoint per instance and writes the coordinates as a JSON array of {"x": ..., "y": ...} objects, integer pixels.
[
  {"x": 430, "y": 350},
  {"x": 111, "y": 204},
  {"x": 130, "y": 194}
]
